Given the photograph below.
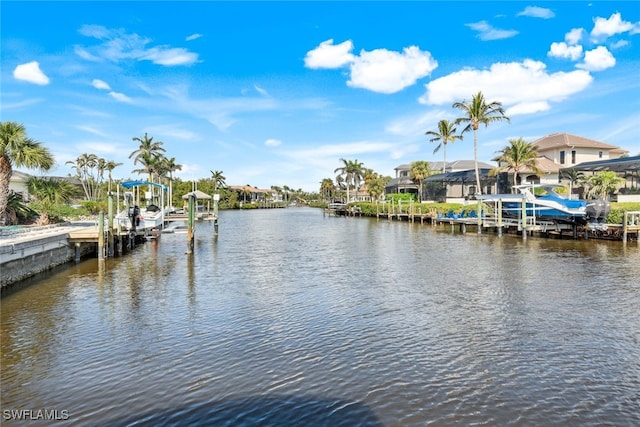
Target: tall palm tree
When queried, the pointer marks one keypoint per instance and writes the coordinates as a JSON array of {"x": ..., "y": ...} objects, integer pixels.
[
  {"x": 478, "y": 112},
  {"x": 419, "y": 171},
  {"x": 109, "y": 166},
  {"x": 16, "y": 149},
  {"x": 516, "y": 156},
  {"x": 327, "y": 188},
  {"x": 446, "y": 134},
  {"x": 219, "y": 180},
  {"x": 352, "y": 171},
  {"x": 85, "y": 165},
  {"x": 147, "y": 155}
]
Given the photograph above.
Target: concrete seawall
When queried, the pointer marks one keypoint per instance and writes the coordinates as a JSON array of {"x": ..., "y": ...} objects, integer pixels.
[{"x": 27, "y": 255}]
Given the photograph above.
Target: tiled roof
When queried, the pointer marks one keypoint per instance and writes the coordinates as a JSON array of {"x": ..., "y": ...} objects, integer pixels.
[{"x": 561, "y": 140}]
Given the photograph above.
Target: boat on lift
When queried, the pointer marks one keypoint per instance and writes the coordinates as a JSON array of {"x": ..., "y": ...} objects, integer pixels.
[{"x": 543, "y": 202}]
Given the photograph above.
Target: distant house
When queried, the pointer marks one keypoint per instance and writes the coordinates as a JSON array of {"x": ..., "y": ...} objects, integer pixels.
[
  {"x": 439, "y": 187},
  {"x": 250, "y": 194},
  {"x": 18, "y": 184},
  {"x": 561, "y": 150}
]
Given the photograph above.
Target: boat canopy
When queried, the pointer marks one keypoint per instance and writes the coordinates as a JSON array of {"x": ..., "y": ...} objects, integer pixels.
[
  {"x": 621, "y": 164},
  {"x": 460, "y": 176},
  {"x": 130, "y": 184}
]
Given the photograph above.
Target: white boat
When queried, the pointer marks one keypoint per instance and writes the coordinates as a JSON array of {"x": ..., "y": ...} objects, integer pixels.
[{"x": 542, "y": 201}]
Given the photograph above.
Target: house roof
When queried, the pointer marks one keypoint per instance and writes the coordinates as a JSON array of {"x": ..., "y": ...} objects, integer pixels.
[
  {"x": 567, "y": 140},
  {"x": 456, "y": 165},
  {"x": 621, "y": 164}
]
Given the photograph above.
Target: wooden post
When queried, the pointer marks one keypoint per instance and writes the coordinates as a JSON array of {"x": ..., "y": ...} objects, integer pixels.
[
  {"x": 524, "y": 217},
  {"x": 190, "y": 222},
  {"x": 499, "y": 213},
  {"x": 110, "y": 243},
  {"x": 101, "y": 235},
  {"x": 216, "y": 199}
]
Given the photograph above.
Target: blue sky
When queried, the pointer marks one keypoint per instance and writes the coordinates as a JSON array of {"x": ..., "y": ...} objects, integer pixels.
[{"x": 275, "y": 93}]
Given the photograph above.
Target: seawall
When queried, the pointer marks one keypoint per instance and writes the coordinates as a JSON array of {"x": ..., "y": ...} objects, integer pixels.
[{"x": 29, "y": 255}]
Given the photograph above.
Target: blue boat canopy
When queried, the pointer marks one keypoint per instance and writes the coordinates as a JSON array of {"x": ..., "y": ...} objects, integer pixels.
[{"x": 130, "y": 184}]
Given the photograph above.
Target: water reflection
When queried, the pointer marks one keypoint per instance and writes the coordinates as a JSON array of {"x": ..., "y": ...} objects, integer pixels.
[{"x": 292, "y": 316}]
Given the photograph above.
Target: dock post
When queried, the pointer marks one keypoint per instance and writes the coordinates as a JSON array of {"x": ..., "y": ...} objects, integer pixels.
[
  {"x": 101, "y": 235},
  {"x": 216, "y": 199},
  {"x": 524, "y": 217},
  {"x": 110, "y": 243},
  {"x": 76, "y": 253},
  {"x": 499, "y": 213},
  {"x": 479, "y": 209},
  {"x": 190, "y": 215}
]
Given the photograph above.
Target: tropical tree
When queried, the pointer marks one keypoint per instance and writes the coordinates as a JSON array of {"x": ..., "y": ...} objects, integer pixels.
[
  {"x": 147, "y": 155},
  {"x": 219, "y": 180},
  {"x": 109, "y": 166},
  {"x": 88, "y": 172},
  {"x": 352, "y": 171},
  {"x": 477, "y": 112},
  {"x": 419, "y": 170},
  {"x": 50, "y": 191},
  {"x": 574, "y": 176},
  {"x": 17, "y": 210},
  {"x": 327, "y": 188},
  {"x": 517, "y": 156},
  {"x": 16, "y": 149},
  {"x": 446, "y": 134},
  {"x": 602, "y": 184}
]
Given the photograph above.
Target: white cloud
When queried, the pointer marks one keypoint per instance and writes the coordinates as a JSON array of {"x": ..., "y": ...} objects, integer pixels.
[
  {"x": 164, "y": 55},
  {"x": 99, "y": 84},
  {"x": 562, "y": 50},
  {"x": 193, "y": 37},
  {"x": 260, "y": 90},
  {"x": 117, "y": 45},
  {"x": 328, "y": 55},
  {"x": 574, "y": 36},
  {"x": 272, "y": 142},
  {"x": 31, "y": 72},
  {"x": 537, "y": 12},
  {"x": 120, "y": 97},
  {"x": 604, "y": 27},
  {"x": 522, "y": 87},
  {"x": 487, "y": 32},
  {"x": 386, "y": 71},
  {"x": 597, "y": 59}
]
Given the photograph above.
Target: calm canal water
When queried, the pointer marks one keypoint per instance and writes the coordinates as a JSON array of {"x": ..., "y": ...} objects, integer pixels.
[{"x": 292, "y": 318}]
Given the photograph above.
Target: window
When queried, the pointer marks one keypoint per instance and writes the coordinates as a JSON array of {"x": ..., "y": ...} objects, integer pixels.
[
  {"x": 600, "y": 154},
  {"x": 562, "y": 157},
  {"x": 573, "y": 156}
]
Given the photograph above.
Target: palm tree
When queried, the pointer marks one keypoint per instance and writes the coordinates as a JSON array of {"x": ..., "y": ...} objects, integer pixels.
[
  {"x": 16, "y": 149},
  {"x": 327, "y": 188},
  {"x": 419, "y": 171},
  {"x": 602, "y": 184},
  {"x": 219, "y": 180},
  {"x": 479, "y": 112},
  {"x": 446, "y": 133},
  {"x": 574, "y": 176},
  {"x": 352, "y": 171},
  {"x": 109, "y": 166},
  {"x": 49, "y": 191},
  {"x": 517, "y": 156},
  {"x": 84, "y": 166},
  {"x": 147, "y": 155}
]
